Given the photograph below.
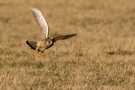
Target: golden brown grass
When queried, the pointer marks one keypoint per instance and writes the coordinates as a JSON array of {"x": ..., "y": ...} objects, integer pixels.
[{"x": 100, "y": 57}]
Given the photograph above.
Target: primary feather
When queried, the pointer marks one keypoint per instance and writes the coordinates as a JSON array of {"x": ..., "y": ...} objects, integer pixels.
[
  {"x": 41, "y": 22},
  {"x": 63, "y": 37}
]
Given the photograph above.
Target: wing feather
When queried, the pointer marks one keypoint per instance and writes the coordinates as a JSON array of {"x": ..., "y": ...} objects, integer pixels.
[
  {"x": 63, "y": 37},
  {"x": 42, "y": 23}
]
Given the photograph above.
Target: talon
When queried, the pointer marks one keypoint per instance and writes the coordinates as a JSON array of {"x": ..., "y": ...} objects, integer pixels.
[{"x": 39, "y": 53}]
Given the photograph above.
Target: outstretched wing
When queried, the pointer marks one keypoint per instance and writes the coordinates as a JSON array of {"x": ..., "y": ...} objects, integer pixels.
[
  {"x": 41, "y": 22},
  {"x": 63, "y": 37}
]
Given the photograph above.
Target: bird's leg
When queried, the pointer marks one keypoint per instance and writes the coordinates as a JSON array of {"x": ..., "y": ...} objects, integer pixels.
[
  {"x": 39, "y": 52},
  {"x": 37, "y": 49}
]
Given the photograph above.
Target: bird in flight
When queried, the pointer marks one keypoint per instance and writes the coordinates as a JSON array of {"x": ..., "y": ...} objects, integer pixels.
[{"x": 45, "y": 41}]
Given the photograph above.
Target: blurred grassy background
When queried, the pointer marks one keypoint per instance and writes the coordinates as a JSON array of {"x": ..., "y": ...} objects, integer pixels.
[{"x": 100, "y": 57}]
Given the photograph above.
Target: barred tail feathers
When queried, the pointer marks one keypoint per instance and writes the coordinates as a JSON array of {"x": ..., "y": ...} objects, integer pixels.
[{"x": 32, "y": 44}]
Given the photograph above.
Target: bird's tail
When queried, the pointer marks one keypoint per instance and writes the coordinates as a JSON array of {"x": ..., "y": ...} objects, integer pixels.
[
  {"x": 63, "y": 37},
  {"x": 32, "y": 44}
]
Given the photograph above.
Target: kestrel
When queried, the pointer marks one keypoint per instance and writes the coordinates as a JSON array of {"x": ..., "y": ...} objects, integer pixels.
[{"x": 45, "y": 41}]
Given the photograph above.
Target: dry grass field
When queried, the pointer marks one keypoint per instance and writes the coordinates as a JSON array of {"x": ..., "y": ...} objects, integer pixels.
[{"x": 100, "y": 57}]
